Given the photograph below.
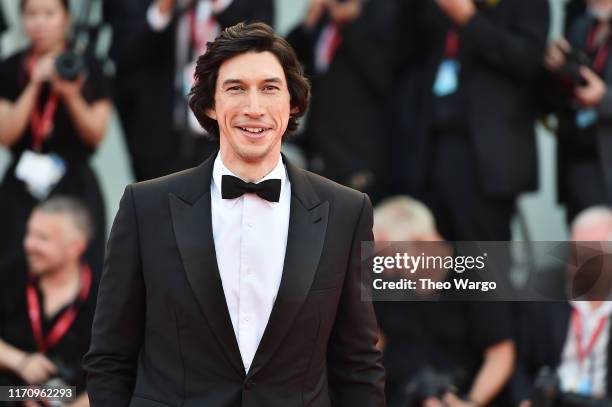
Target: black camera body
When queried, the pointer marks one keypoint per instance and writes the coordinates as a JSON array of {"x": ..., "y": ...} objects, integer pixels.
[
  {"x": 428, "y": 384},
  {"x": 69, "y": 65},
  {"x": 570, "y": 72}
]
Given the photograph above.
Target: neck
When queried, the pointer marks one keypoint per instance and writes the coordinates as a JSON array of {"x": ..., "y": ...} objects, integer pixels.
[
  {"x": 54, "y": 50},
  {"x": 595, "y": 304},
  {"x": 250, "y": 171},
  {"x": 63, "y": 276}
]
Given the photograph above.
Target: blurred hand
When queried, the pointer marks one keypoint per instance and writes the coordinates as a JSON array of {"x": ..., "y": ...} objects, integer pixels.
[
  {"x": 460, "y": 11},
  {"x": 43, "y": 69},
  {"x": 36, "y": 369},
  {"x": 345, "y": 12},
  {"x": 525, "y": 403},
  {"x": 316, "y": 9},
  {"x": 432, "y": 402},
  {"x": 67, "y": 89},
  {"x": 555, "y": 54},
  {"x": 451, "y": 400},
  {"x": 591, "y": 94},
  {"x": 166, "y": 6}
]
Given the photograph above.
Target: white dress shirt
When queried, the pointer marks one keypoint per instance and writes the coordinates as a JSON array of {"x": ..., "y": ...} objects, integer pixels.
[
  {"x": 250, "y": 237},
  {"x": 593, "y": 370}
]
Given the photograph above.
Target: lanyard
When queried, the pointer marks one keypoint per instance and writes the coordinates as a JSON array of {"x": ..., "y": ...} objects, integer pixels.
[
  {"x": 41, "y": 122},
  {"x": 201, "y": 32},
  {"x": 64, "y": 322},
  {"x": 602, "y": 52},
  {"x": 583, "y": 353},
  {"x": 453, "y": 44}
]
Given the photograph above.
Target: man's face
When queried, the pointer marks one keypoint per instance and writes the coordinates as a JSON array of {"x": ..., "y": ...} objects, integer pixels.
[
  {"x": 50, "y": 243},
  {"x": 252, "y": 107}
]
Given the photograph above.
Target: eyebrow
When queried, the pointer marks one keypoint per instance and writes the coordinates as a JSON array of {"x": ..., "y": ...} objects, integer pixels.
[{"x": 239, "y": 81}]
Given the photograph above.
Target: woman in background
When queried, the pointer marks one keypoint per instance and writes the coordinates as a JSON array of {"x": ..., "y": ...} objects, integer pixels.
[{"x": 52, "y": 127}]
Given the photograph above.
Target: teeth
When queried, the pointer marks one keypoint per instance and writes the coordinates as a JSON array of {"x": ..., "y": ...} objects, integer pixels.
[{"x": 252, "y": 129}]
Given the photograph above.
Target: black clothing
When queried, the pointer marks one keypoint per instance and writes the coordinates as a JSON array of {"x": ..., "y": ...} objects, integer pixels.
[
  {"x": 447, "y": 337},
  {"x": 345, "y": 127},
  {"x": 162, "y": 333},
  {"x": 79, "y": 181},
  {"x": 16, "y": 329},
  {"x": 501, "y": 52},
  {"x": 146, "y": 96}
]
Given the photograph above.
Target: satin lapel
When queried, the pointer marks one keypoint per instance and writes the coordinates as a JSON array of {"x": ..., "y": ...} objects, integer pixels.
[
  {"x": 193, "y": 230},
  {"x": 307, "y": 227}
]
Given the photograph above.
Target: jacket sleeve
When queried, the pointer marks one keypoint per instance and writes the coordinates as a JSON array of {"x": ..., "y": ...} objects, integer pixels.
[
  {"x": 517, "y": 50},
  {"x": 118, "y": 326},
  {"x": 355, "y": 371}
]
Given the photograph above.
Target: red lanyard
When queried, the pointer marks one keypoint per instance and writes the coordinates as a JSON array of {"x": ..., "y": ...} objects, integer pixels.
[
  {"x": 602, "y": 53},
  {"x": 453, "y": 44},
  {"x": 64, "y": 322},
  {"x": 200, "y": 32},
  {"x": 42, "y": 122},
  {"x": 583, "y": 353}
]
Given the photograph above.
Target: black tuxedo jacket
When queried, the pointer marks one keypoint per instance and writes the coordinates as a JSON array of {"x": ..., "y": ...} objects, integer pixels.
[
  {"x": 502, "y": 52},
  {"x": 162, "y": 333}
]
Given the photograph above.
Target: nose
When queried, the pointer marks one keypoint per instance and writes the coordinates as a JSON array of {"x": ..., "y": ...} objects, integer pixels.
[{"x": 254, "y": 108}]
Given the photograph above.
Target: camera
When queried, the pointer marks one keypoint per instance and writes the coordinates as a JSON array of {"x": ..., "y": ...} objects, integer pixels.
[
  {"x": 570, "y": 72},
  {"x": 428, "y": 384},
  {"x": 69, "y": 65}
]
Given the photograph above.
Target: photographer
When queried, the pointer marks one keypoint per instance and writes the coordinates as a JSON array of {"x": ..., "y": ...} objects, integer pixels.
[
  {"x": 570, "y": 339},
  {"x": 576, "y": 90},
  {"x": 155, "y": 46},
  {"x": 467, "y": 146},
  {"x": 47, "y": 306},
  {"x": 455, "y": 354},
  {"x": 51, "y": 125},
  {"x": 347, "y": 48}
]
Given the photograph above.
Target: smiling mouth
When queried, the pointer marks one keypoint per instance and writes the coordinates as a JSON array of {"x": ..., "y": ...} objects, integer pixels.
[{"x": 253, "y": 130}]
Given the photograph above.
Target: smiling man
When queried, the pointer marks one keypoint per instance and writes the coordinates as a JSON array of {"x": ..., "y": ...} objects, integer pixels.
[{"x": 237, "y": 283}]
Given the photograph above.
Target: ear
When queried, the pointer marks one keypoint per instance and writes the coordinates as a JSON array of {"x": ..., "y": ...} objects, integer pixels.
[
  {"x": 294, "y": 110},
  {"x": 211, "y": 112}
]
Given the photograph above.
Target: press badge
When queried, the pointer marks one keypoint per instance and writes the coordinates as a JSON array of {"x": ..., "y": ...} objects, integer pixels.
[
  {"x": 586, "y": 118},
  {"x": 585, "y": 387},
  {"x": 40, "y": 172},
  {"x": 447, "y": 80}
]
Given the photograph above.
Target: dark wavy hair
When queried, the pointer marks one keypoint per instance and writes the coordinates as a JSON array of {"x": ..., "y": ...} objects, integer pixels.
[
  {"x": 64, "y": 4},
  {"x": 240, "y": 39}
]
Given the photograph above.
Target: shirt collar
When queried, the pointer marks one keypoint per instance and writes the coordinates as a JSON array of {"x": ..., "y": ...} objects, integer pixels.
[
  {"x": 219, "y": 170},
  {"x": 584, "y": 308}
]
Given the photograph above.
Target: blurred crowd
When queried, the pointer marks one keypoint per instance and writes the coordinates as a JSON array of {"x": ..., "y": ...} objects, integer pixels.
[{"x": 429, "y": 106}]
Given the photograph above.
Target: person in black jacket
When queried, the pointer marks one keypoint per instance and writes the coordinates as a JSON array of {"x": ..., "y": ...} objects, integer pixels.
[
  {"x": 571, "y": 338},
  {"x": 156, "y": 43},
  {"x": 575, "y": 88},
  {"x": 347, "y": 48},
  {"x": 467, "y": 145}
]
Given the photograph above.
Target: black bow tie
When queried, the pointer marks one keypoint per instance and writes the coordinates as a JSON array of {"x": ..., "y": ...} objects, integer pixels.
[{"x": 233, "y": 187}]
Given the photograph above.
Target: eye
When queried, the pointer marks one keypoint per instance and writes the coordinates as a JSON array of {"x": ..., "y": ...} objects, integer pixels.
[
  {"x": 235, "y": 89},
  {"x": 271, "y": 88}
]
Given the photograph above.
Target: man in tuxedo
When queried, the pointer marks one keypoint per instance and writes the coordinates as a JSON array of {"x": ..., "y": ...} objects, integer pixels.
[
  {"x": 157, "y": 42},
  {"x": 237, "y": 283}
]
